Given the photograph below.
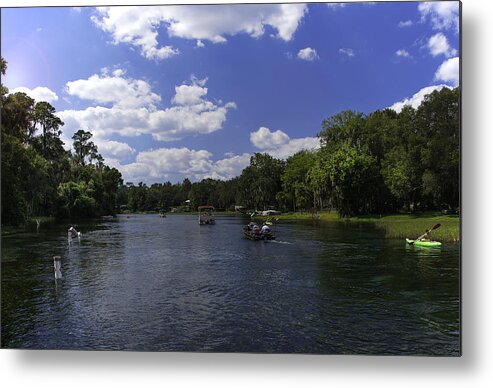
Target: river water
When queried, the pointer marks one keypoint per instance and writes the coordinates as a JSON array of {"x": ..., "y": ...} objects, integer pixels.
[{"x": 141, "y": 282}]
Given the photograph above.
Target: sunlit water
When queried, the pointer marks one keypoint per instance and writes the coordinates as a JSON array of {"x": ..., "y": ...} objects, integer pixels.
[{"x": 167, "y": 284}]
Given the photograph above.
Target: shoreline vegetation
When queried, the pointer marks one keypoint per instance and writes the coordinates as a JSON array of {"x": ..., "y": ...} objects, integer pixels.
[
  {"x": 396, "y": 226},
  {"x": 404, "y": 163}
]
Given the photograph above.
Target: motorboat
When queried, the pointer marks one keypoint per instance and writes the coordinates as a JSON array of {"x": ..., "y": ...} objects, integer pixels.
[{"x": 253, "y": 232}]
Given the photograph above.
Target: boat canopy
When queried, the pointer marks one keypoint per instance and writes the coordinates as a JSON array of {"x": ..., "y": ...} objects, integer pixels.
[{"x": 207, "y": 207}]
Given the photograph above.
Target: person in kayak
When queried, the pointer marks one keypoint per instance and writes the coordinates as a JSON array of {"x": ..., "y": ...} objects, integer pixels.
[{"x": 426, "y": 237}]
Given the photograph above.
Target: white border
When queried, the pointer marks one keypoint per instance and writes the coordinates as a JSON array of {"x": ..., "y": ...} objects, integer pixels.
[{"x": 126, "y": 369}]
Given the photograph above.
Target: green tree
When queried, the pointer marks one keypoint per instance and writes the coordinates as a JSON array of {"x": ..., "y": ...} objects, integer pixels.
[
  {"x": 260, "y": 181},
  {"x": 438, "y": 118},
  {"x": 295, "y": 187},
  {"x": 84, "y": 147},
  {"x": 350, "y": 174},
  {"x": 44, "y": 116}
]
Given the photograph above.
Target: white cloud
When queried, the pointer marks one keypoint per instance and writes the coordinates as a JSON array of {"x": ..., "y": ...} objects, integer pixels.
[
  {"x": 336, "y": 5},
  {"x": 191, "y": 113},
  {"x": 39, "y": 93},
  {"x": 403, "y": 53},
  {"x": 116, "y": 90},
  {"x": 189, "y": 94},
  {"x": 136, "y": 26},
  {"x": 200, "y": 44},
  {"x": 229, "y": 167},
  {"x": 113, "y": 149},
  {"x": 308, "y": 54},
  {"x": 347, "y": 51},
  {"x": 263, "y": 138},
  {"x": 172, "y": 160},
  {"x": 416, "y": 100},
  {"x": 438, "y": 44},
  {"x": 139, "y": 26},
  {"x": 404, "y": 24},
  {"x": 449, "y": 71},
  {"x": 175, "y": 164},
  {"x": 442, "y": 14},
  {"x": 294, "y": 146},
  {"x": 279, "y": 145}
]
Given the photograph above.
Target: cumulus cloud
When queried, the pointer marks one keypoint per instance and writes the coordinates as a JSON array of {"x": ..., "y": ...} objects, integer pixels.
[
  {"x": 443, "y": 15},
  {"x": 175, "y": 164},
  {"x": 139, "y": 26},
  {"x": 191, "y": 112},
  {"x": 346, "y": 51},
  {"x": 114, "y": 149},
  {"x": 403, "y": 53},
  {"x": 39, "y": 93},
  {"x": 438, "y": 45},
  {"x": 294, "y": 146},
  {"x": 263, "y": 138},
  {"x": 308, "y": 54},
  {"x": 404, "y": 24},
  {"x": 229, "y": 167},
  {"x": 190, "y": 94},
  {"x": 416, "y": 100},
  {"x": 115, "y": 89},
  {"x": 279, "y": 145},
  {"x": 449, "y": 71}
]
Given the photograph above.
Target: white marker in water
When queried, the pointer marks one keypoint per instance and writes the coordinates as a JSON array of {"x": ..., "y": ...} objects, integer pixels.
[{"x": 57, "y": 265}]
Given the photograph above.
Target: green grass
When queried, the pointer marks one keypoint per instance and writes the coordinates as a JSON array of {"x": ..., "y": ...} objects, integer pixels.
[
  {"x": 413, "y": 226},
  {"x": 397, "y": 226},
  {"x": 29, "y": 225}
]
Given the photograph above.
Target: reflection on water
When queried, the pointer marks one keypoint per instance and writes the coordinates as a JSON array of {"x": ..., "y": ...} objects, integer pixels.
[{"x": 149, "y": 283}]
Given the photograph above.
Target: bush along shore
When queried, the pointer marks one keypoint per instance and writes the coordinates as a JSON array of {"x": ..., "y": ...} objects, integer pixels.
[
  {"x": 33, "y": 223},
  {"x": 399, "y": 226}
]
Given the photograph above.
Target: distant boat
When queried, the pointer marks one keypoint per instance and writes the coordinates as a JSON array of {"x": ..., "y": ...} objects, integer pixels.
[{"x": 206, "y": 215}]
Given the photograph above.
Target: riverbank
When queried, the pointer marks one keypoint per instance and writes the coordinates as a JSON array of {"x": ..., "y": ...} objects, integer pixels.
[
  {"x": 397, "y": 226},
  {"x": 31, "y": 223}
]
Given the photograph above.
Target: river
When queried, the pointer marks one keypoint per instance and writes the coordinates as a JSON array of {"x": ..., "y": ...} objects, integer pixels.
[{"x": 141, "y": 282}]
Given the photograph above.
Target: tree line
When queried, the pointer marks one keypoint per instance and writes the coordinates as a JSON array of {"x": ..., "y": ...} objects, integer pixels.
[
  {"x": 38, "y": 176},
  {"x": 380, "y": 163},
  {"x": 377, "y": 163}
]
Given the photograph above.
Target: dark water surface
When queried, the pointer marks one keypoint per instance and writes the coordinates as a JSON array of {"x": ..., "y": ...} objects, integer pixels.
[{"x": 168, "y": 284}]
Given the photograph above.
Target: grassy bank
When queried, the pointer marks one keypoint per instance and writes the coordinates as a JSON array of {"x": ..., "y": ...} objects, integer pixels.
[
  {"x": 395, "y": 226},
  {"x": 31, "y": 223}
]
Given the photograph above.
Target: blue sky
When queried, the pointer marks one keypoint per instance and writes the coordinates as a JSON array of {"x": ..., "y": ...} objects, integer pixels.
[{"x": 193, "y": 91}]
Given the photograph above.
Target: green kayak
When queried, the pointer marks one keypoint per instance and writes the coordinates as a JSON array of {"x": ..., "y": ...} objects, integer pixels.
[{"x": 424, "y": 243}]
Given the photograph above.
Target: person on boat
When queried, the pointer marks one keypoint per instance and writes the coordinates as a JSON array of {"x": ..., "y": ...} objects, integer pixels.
[
  {"x": 256, "y": 230},
  {"x": 265, "y": 229}
]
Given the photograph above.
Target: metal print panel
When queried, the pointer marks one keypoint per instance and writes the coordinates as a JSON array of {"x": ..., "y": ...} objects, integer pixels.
[{"x": 267, "y": 178}]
